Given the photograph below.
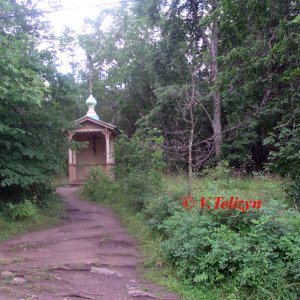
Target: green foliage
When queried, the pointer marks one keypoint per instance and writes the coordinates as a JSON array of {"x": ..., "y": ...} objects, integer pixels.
[
  {"x": 221, "y": 171},
  {"x": 222, "y": 249},
  {"x": 259, "y": 81},
  {"x": 138, "y": 153},
  {"x": 253, "y": 255},
  {"x": 159, "y": 207},
  {"x": 99, "y": 186},
  {"x": 148, "y": 54},
  {"x": 33, "y": 111},
  {"x": 21, "y": 211},
  {"x": 128, "y": 48},
  {"x": 263, "y": 258},
  {"x": 16, "y": 219},
  {"x": 285, "y": 156},
  {"x": 152, "y": 47},
  {"x": 138, "y": 172},
  {"x": 139, "y": 166}
]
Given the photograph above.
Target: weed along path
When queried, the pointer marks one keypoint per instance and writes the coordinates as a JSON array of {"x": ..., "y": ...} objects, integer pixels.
[{"x": 89, "y": 256}]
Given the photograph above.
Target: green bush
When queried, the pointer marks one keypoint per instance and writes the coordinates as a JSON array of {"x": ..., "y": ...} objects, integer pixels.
[
  {"x": 220, "y": 171},
  {"x": 138, "y": 154},
  {"x": 139, "y": 165},
  {"x": 99, "y": 186},
  {"x": 17, "y": 219},
  {"x": 21, "y": 211},
  {"x": 160, "y": 207},
  {"x": 285, "y": 156},
  {"x": 253, "y": 255},
  {"x": 263, "y": 259}
]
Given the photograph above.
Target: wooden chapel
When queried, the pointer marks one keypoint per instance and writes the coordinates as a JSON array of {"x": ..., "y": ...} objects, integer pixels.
[{"x": 99, "y": 152}]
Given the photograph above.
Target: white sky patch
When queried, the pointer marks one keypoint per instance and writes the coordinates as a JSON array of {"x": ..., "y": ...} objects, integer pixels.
[{"x": 72, "y": 13}]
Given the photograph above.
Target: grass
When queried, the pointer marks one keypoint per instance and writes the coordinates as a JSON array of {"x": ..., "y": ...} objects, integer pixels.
[
  {"x": 50, "y": 214},
  {"x": 155, "y": 268},
  {"x": 255, "y": 187}
]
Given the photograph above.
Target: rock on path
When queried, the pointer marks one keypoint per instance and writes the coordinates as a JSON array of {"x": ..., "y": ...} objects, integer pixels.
[{"x": 90, "y": 256}]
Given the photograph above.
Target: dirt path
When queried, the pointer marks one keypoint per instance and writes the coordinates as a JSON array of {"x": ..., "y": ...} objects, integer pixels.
[{"x": 90, "y": 256}]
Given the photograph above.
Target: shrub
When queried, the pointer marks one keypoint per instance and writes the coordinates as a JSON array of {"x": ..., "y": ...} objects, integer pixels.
[
  {"x": 220, "y": 171},
  {"x": 138, "y": 154},
  {"x": 284, "y": 157},
  {"x": 139, "y": 165},
  {"x": 99, "y": 186},
  {"x": 264, "y": 258},
  {"x": 21, "y": 211},
  {"x": 160, "y": 207}
]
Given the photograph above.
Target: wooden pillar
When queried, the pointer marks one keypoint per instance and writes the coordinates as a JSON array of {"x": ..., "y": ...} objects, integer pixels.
[
  {"x": 74, "y": 155},
  {"x": 72, "y": 163},
  {"x": 70, "y": 156},
  {"x": 112, "y": 151},
  {"x": 71, "y": 176},
  {"x": 107, "y": 138},
  {"x": 71, "y": 179}
]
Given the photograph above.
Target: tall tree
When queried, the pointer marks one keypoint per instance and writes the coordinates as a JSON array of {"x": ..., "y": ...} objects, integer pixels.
[
  {"x": 185, "y": 127},
  {"x": 122, "y": 58},
  {"x": 214, "y": 72},
  {"x": 202, "y": 33},
  {"x": 247, "y": 52},
  {"x": 32, "y": 143},
  {"x": 259, "y": 45}
]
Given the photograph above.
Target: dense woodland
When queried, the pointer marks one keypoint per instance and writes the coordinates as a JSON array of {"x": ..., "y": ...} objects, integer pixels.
[
  {"x": 217, "y": 79},
  {"x": 198, "y": 87}
]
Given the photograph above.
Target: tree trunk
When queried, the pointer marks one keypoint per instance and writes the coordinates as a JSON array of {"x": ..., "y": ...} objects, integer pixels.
[
  {"x": 190, "y": 162},
  {"x": 217, "y": 127}
]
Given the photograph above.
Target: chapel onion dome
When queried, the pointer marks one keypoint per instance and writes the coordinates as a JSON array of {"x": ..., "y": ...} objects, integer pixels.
[{"x": 91, "y": 102}]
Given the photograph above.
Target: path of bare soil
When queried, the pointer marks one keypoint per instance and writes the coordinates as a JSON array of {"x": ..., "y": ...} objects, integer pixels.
[{"x": 89, "y": 256}]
